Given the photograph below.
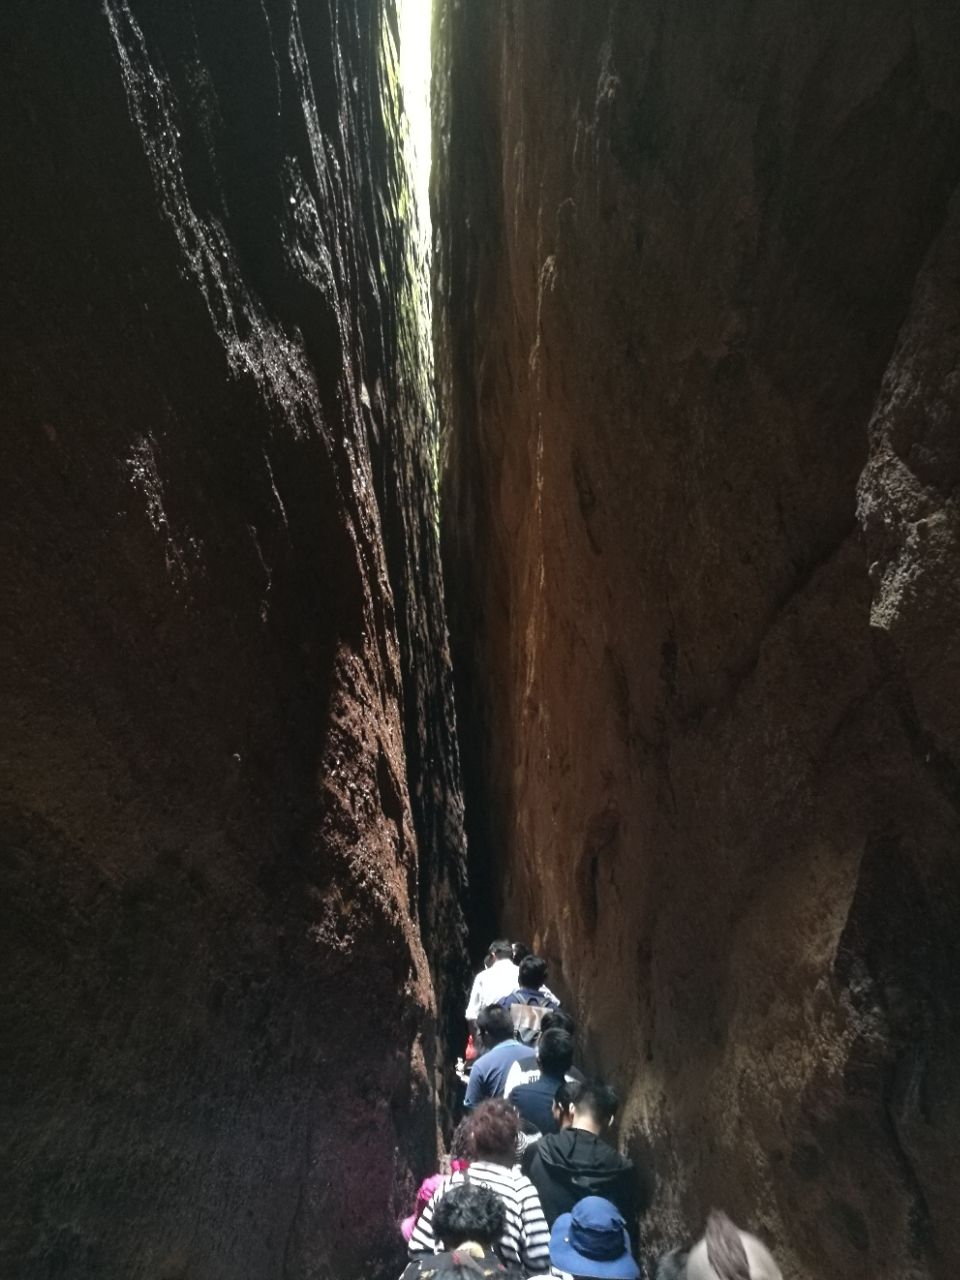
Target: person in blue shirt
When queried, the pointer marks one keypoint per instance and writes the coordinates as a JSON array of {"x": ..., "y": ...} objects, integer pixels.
[
  {"x": 534, "y": 1100},
  {"x": 488, "y": 1075}
]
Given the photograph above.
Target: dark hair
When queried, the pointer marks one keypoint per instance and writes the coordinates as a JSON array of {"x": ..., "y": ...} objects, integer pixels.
[
  {"x": 557, "y": 1020},
  {"x": 520, "y": 950},
  {"x": 588, "y": 1095},
  {"x": 494, "y": 1024},
  {"x": 501, "y": 948},
  {"x": 555, "y": 1052},
  {"x": 533, "y": 972},
  {"x": 494, "y": 1126},
  {"x": 567, "y": 1094},
  {"x": 469, "y": 1211}
]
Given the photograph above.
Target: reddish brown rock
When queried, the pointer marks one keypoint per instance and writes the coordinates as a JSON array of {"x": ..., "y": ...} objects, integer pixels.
[
  {"x": 219, "y": 577},
  {"x": 711, "y": 767}
]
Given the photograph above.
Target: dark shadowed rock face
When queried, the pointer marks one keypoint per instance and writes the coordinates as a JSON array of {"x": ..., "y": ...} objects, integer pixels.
[
  {"x": 699, "y": 275},
  {"x": 223, "y": 657}
]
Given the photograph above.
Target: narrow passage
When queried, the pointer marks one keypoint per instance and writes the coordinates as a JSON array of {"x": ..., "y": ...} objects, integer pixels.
[{"x": 533, "y": 1183}]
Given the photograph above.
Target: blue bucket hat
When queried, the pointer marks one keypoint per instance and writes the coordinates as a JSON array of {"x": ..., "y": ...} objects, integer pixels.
[{"x": 593, "y": 1241}]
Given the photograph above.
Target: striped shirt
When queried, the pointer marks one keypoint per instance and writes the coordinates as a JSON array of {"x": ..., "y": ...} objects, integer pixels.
[{"x": 526, "y": 1238}]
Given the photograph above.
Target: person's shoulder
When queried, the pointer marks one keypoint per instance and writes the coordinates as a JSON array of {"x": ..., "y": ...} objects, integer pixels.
[
  {"x": 516, "y": 1181},
  {"x": 488, "y": 1171},
  {"x": 482, "y": 1068},
  {"x": 506, "y": 1051},
  {"x": 552, "y": 1145},
  {"x": 520, "y": 1068},
  {"x": 498, "y": 1177},
  {"x": 443, "y": 1184},
  {"x": 615, "y": 1162},
  {"x": 524, "y": 1187},
  {"x": 609, "y": 1154}
]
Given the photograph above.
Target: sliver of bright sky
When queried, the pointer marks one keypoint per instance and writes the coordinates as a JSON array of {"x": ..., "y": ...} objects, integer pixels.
[{"x": 414, "y": 24}]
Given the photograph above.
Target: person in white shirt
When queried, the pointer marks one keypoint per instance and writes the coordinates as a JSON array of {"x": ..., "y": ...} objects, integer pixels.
[{"x": 498, "y": 978}]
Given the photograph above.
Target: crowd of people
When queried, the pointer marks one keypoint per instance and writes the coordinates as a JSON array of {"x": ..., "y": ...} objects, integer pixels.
[{"x": 531, "y": 1184}]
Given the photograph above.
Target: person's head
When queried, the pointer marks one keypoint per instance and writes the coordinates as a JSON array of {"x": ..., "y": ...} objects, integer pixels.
[
  {"x": 469, "y": 1212},
  {"x": 557, "y": 1020},
  {"x": 533, "y": 972},
  {"x": 499, "y": 949},
  {"x": 494, "y": 1126},
  {"x": 494, "y": 1025},
  {"x": 726, "y": 1253},
  {"x": 520, "y": 949},
  {"x": 563, "y": 1101},
  {"x": 587, "y": 1104},
  {"x": 555, "y": 1053},
  {"x": 592, "y": 1241}
]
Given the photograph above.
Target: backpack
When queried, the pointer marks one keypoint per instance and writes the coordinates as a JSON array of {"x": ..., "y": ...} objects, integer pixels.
[{"x": 526, "y": 1021}]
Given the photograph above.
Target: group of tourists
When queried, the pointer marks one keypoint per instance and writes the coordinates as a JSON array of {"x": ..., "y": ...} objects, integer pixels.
[{"x": 531, "y": 1186}]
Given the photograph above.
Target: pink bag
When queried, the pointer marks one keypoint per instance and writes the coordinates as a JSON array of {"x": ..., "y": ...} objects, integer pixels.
[{"x": 427, "y": 1187}]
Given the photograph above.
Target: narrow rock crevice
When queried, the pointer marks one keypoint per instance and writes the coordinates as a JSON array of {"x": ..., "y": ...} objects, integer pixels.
[{"x": 684, "y": 491}]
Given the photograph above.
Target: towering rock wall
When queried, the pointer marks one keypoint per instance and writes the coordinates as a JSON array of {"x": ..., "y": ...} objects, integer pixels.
[
  {"x": 698, "y": 276},
  {"x": 223, "y": 676}
]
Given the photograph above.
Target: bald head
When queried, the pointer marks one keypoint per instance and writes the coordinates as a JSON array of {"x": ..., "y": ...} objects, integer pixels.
[{"x": 725, "y": 1253}]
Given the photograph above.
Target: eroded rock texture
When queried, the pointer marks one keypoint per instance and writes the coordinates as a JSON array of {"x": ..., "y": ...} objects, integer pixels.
[
  {"x": 700, "y": 273},
  {"x": 223, "y": 656}
]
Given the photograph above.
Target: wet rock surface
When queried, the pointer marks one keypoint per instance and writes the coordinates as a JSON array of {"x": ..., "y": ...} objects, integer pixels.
[
  {"x": 220, "y": 576},
  {"x": 698, "y": 282}
]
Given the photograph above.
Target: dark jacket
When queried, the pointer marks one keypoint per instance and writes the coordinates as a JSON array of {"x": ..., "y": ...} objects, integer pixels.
[
  {"x": 564, "y": 1167},
  {"x": 534, "y": 1101}
]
